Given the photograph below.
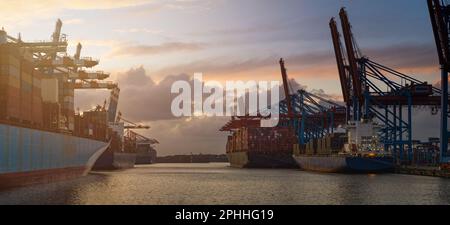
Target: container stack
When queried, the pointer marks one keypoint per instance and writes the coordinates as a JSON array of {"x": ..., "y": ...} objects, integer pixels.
[
  {"x": 26, "y": 91},
  {"x": 309, "y": 148},
  {"x": 229, "y": 146},
  {"x": 92, "y": 124},
  {"x": 9, "y": 83},
  {"x": 37, "y": 107},
  {"x": 319, "y": 149},
  {"x": 256, "y": 139},
  {"x": 298, "y": 149},
  {"x": 68, "y": 109},
  {"x": 50, "y": 103},
  {"x": 324, "y": 147},
  {"x": 51, "y": 118}
]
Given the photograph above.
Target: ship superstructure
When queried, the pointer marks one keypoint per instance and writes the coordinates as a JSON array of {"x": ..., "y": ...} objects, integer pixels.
[{"x": 41, "y": 137}]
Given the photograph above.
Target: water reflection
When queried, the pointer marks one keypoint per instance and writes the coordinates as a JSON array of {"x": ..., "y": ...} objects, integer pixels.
[{"x": 220, "y": 184}]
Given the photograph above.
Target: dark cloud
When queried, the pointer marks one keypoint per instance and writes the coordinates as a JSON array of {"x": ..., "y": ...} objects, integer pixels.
[
  {"x": 135, "y": 77},
  {"x": 195, "y": 135},
  {"x": 222, "y": 66},
  {"x": 141, "y": 99},
  {"x": 169, "y": 47},
  {"x": 409, "y": 56}
]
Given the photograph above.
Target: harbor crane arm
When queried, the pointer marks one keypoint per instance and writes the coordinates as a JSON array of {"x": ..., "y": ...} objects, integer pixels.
[
  {"x": 132, "y": 124},
  {"x": 78, "y": 52},
  {"x": 440, "y": 30},
  {"x": 113, "y": 102},
  {"x": 352, "y": 58},
  {"x": 286, "y": 88},
  {"x": 440, "y": 21},
  {"x": 340, "y": 60}
]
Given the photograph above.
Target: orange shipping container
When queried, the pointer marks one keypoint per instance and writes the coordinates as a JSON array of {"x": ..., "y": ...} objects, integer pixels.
[
  {"x": 9, "y": 103},
  {"x": 26, "y": 106}
]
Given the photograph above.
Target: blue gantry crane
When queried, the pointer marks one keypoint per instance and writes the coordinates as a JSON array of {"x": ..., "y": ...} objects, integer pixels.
[
  {"x": 311, "y": 115},
  {"x": 440, "y": 21},
  {"x": 374, "y": 91}
]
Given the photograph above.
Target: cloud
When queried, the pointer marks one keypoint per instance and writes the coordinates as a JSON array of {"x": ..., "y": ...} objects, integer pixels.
[
  {"x": 169, "y": 47},
  {"x": 185, "y": 136},
  {"x": 23, "y": 11},
  {"x": 417, "y": 60},
  {"x": 139, "y": 30},
  {"x": 97, "y": 43},
  {"x": 144, "y": 101},
  {"x": 141, "y": 99},
  {"x": 407, "y": 56},
  {"x": 73, "y": 21}
]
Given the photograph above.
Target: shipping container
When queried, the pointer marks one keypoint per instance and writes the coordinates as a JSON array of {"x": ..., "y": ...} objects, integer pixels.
[
  {"x": 49, "y": 90},
  {"x": 26, "y": 101},
  {"x": 9, "y": 60},
  {"x": 10, "y": 75},
  {"x": 26, "y": 66},
  {"x": 9, "y": 103},
  {"x": 262, "y": 140},
  {"x": 7, "y": 49},
  {"x": 51, "y": 115},
  {"x": 37, "y": 111}
]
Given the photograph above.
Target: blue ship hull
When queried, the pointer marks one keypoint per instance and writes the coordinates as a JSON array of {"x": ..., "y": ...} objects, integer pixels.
[
  {"x": 29, "y": 156},
  {"x": 345, "y": 164}
]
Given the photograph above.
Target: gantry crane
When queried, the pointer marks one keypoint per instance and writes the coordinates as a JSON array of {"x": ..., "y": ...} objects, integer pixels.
[
  {"x": 287, "y": 93},
  {"x": 440, "y": 21},
  {"x": 342, "y": 70},
  {"x": 311, "y": 116},
  {"x": 51, "y": 60},
  {"x": 131, "y": 138},
  {"x": 379, "y": 92},
  {"x": 131, "y": 125}
]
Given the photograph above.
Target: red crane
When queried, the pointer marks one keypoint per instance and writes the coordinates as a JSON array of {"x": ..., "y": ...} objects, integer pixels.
[
  {"x": 352, "y": 58},
  {"x": 286, "y": 88}
]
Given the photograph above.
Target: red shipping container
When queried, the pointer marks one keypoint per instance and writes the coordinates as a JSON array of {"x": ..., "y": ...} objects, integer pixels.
[
  {"x": 9, "y": 103},
  {"x": 37, "y": 111},
  {"x": 26, "y": 66},
  {"x": 26, "y": 106}
]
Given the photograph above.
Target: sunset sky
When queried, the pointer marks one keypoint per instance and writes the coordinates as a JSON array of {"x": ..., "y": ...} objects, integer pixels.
[{"x": 146, "y": 45}]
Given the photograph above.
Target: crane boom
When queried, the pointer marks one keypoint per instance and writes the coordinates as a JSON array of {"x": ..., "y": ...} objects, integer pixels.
[
  {"x": 132, "y": 124},
  {"x": 440, "y": 21},
  {"x": 113, "y": 102},
  {"x": 340, "y": 60},
  {"x": 286, "y": 87},
  {"x": 441, "y": 33},
  {"x": 352, "y": 59}
]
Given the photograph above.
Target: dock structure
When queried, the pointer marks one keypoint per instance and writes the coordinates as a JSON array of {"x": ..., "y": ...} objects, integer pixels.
[
  {"x": 373, "y": 91},
  {"x": 431, "y": 171}
]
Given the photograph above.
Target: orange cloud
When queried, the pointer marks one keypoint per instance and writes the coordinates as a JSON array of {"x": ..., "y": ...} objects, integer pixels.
[{"x": 138, "y": 50}]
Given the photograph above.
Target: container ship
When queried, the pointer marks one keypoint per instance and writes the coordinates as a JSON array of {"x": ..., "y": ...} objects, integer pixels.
[
  {"x": 145, "y": 150},
  {"x": 261, "y": 147},
  {"x": 356, "y": 151},
  {"x": 42, "y": 139},
  {"x": 127, "y": 148}
]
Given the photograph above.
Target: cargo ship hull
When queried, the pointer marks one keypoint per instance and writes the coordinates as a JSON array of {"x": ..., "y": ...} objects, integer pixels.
[
  {"x": 142, "y": 159},
  {"x": 345, "y": 164},
  {"x": 261, "y": 160},
  {"x": 110, "y": 160},
  {"x": 30, "y": 156}
]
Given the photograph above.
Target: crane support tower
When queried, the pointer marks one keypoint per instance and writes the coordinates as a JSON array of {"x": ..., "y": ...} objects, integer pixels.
[{"x": 440, "y": 21}]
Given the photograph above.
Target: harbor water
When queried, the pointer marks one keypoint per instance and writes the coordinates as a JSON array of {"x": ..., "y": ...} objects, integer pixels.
[{"x": 217, "y": 183}]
